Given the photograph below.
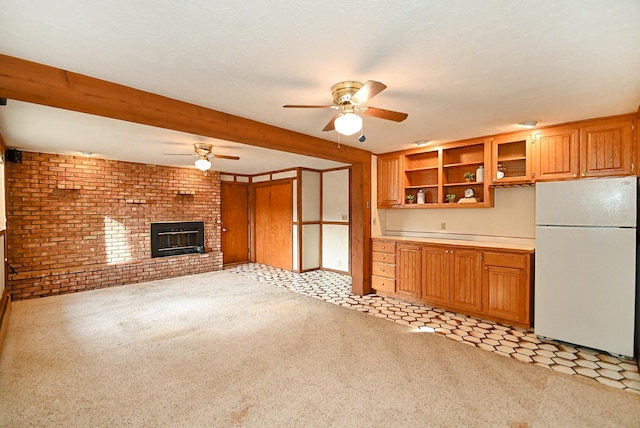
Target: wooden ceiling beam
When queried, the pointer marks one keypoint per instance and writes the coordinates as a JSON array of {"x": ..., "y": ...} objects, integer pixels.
[{"x": 42, "y": 84}]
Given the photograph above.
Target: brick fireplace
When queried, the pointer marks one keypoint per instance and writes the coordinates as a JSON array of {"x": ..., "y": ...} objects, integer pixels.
[{"x": 78, "y": 223}]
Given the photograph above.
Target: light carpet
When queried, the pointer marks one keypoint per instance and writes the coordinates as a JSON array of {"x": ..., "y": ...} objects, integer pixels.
[{"x": 218, "y": 349}]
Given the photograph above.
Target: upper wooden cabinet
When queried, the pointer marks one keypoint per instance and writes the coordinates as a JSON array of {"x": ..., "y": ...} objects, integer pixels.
[
  {"x": 555, "y": 154},
  {"x": 589, "y": 148},
  {"x": 595, "y": 148},
  {"x": 511, "y": 158},
  {"x": 606, "y": 149},
  {"x": 389, "y": 187},
  {"x": 404, "y": 178},
  {"x": 457, "y": 161},
  {"x": 422, "y": 172}
]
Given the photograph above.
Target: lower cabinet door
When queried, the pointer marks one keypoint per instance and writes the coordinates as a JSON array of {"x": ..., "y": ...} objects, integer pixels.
[
  {"x": 409, "y": 270},
  {"x": 507, "y": 295},
  {"x": 466, "y": 280},
  {"x": 435, "y": 268}
]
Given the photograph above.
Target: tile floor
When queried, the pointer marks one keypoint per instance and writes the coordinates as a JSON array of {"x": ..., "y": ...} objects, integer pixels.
[{"x": 518, "y": 343}]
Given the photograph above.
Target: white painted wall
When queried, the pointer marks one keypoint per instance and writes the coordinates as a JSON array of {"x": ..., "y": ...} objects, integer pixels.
[
  {"x": 310, "y": 246},
  {"x": 512, "y": 216},
  {"x": 310, "y": 196},
  {"x": 335, "y": 195},
  {"x": 335, "y": 247},
  {"x": 3, "y": 224},
  {"x": 1, "y": 264},
  {"x": 3, "y": 214},
  {"x": 335, "y": 208}
]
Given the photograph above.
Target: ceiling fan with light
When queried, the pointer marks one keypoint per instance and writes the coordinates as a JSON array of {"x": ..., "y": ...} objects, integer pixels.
[
  {"x": 349, "y": 97},
  {"x": 203, "y": 151}
]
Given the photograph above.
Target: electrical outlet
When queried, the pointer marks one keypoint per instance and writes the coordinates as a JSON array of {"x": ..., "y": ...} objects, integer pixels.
[{"x": 443, "y": 225}]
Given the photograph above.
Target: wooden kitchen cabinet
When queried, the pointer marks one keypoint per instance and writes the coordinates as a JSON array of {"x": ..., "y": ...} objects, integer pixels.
[
  {"x": 507, "y": 287},
  {"x": 421, "y": 172},
  {"x": 435, "y": 284},
  {"x": 458, "y": 159},
  {"x": 389, "y": 183},
  {"x": 452, "y": 277},
  {"x": 488, "y": 283},
  {"x": 606, "y": 149},
  {"x": 383, "y": 267},
  {"x": 409, "y": 270},
  {"x": 556, "y": 154},
  {"x": 437, "y": 172},
  {"x": 511, "y": 159},
  {"x": 466, "y": 279}
]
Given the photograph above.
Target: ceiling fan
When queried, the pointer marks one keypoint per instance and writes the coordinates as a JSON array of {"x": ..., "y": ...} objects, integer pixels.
[
  {"x": 349, "y": 98},
  {"x": 203, "y": 151}
]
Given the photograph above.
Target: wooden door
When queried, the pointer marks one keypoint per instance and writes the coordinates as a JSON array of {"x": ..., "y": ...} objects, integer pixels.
[
  {"x": 435, "y": 268},
  {"x": 273, "y": 224},
  {"x": 466, "y": 279},
  {"x": 234, "y": 213},
  {"x": 556, "y": 154},
  {"x": 281, "y": 238},
  {"x": 262, "y": 220},
  {"x": 389, "y": 186},
  {"x": 409, "y": 270},
  {"x": 606, "y": 149}
]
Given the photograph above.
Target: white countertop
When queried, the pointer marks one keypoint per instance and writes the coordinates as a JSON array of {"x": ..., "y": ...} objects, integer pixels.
[{"x": 506, "y": 243}]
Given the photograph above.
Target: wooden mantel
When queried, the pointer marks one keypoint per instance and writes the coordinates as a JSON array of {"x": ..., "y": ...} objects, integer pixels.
[{"x": 41, "y": 84}]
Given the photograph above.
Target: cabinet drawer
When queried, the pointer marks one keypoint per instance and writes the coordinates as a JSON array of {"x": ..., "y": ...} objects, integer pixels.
[
  {"x": 383, "y": 284},
  {"x": 516, "y": 261},
  {"x": 384, "y": 258},
  {"x": 384, "y": 247},
  {"x": 383, "y": 269}
]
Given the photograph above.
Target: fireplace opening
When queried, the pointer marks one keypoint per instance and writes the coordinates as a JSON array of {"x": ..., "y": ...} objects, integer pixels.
[{"x": 179, "y": 237}]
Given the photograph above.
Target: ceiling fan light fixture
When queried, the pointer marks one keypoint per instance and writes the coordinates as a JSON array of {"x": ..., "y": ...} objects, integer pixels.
[
  {"x": 203, "y": 164},
  {"x": 348, "y": 123}
]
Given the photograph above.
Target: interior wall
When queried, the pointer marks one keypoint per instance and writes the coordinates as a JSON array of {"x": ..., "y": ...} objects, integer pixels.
[
  {"x": 310, "y": 216},
  {"x": 310, "y": 196},
  {"x": 2, "y": 227},
  {"x": 335, "y": 247},
  {"x": 78, "y": 223},
  {"x": 513, "y": 215},
  {"x": 2, "y": 271},
  {"x": 335, "y": 210}
]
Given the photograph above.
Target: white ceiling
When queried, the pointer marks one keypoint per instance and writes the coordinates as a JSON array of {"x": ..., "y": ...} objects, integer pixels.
[{"x": 459, "y": 68}]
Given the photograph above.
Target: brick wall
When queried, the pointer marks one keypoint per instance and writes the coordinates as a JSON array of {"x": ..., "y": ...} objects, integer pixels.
[{"x": 79, "y": 223}]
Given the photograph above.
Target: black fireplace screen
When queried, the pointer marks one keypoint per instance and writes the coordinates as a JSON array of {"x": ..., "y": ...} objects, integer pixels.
[{"x": 170, "y": 239}]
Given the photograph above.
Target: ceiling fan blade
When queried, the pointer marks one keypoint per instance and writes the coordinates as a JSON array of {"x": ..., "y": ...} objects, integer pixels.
[
  {"x": 226, "y": 157},
  {"x": 380, "y": 113},
  {"x": 180, "y": 154},
  {"x": 369, "y": 90},
  {"x": 330, "y": 126},
  {"x": 304, "y": 106}
]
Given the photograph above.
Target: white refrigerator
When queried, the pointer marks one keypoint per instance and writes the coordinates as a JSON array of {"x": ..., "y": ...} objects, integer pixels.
[{"x": 585, "y": 264}]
